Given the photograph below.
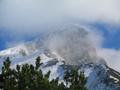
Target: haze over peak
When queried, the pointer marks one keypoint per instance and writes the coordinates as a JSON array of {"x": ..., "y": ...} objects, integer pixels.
[{"x": 73, "y": 44}]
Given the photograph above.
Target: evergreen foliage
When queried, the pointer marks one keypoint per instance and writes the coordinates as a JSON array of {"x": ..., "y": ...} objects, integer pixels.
[{"x": 30, "y": 77}]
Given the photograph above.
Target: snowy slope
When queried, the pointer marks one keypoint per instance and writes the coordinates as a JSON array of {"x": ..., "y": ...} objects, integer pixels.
[
  {"x": 63, "y": 50},
  {"x": 100, "y": 77}
]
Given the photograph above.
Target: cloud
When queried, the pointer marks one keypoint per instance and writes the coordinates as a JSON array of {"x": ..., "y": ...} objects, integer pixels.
[
  {"x": 111, "y": 56},
  {"x": 92, "y": 10},
  {"x": 75, "y": 44},
  {"x": 34, "y": 15},
  {"x": 28, "y": 17}
]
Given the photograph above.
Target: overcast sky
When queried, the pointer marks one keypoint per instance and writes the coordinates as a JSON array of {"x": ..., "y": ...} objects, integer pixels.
[
  {"x": 24, "y": 20},
  {"x": 31, "y": 14}
]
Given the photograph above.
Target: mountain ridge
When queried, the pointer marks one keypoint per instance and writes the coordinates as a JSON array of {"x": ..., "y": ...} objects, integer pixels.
[
  {"x": 62, "y": 51},
  {"x": 100, "y": 76}
]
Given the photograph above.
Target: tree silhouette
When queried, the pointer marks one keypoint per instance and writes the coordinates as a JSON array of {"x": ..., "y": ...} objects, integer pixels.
[{"x": 30, "y": 77}]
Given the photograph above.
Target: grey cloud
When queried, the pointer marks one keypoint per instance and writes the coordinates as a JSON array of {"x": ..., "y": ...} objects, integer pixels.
[
  {"x": 31, "y": 15},
  {"x": 73, "y": 44}
]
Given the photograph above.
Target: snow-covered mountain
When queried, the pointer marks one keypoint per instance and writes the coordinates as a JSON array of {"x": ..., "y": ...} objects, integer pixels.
[{"x": 62, "y": 51}]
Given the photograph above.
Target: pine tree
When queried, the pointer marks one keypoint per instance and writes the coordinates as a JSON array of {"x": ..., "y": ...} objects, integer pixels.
[
  {"x": 30, "y": 77},
  {"x": 76, "y": 81},
  {"x": 8, "y": 76},
  {"x": 38, "y": 63}
]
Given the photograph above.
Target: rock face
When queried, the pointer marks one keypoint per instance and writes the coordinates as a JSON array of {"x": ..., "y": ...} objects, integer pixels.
[
  {"x": 100, "y": 79},
  {"x": 63, "y": 50}
]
